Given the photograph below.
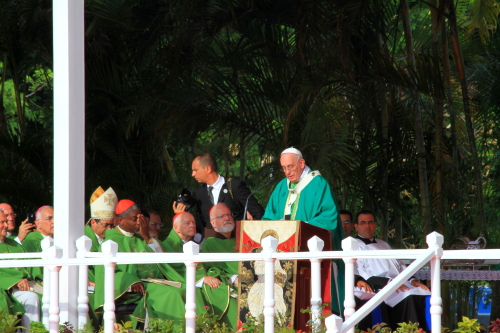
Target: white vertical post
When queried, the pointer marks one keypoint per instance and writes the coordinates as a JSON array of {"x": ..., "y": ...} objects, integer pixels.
[
  {"x": 83, "y": 244},
  {"x": 191, "y": 248},
  {"x": 333, "y": 324},
  {"x": 69, "y": 141},
  {"x": 315, "y": 244},
  {"x": 54, "y": 253},
  {"x": 435, "y": 241},
  {"x": 46, "y": 244},
  {"x": 349, "y": 244},
  {"x": 269, "y": 245},
  {"x": 109, "y": 250}
]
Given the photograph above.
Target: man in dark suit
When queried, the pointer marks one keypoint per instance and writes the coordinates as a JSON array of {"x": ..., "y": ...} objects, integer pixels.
[{"x": 215, "y": 189}]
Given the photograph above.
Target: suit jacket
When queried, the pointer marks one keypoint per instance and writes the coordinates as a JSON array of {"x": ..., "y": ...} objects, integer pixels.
[{"x": 237, "y": 206}]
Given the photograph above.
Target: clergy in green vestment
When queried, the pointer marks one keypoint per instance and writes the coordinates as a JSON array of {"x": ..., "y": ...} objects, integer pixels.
[
  {"x": 44, "y": 228},
  {"x": 216, "y": 292},
  {"x": 16, "y": 295},
  {"x": 161, "y": 300},
  {"x": 224, "y": 242},
  {"x": 24, "y": 228},
  {"x": 102, "y": 211},
  {"x": 305, "y": 195}
]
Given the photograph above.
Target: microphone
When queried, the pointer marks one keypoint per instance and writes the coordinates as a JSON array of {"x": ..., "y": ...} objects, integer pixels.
[{"x": 246, "y": 204}]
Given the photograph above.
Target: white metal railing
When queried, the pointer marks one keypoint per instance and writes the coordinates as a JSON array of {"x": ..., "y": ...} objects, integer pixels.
[{"x": 109, "y": 257}]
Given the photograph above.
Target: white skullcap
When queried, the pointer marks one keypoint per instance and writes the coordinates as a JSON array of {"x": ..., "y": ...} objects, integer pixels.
[{"x": 292, "y": 150}]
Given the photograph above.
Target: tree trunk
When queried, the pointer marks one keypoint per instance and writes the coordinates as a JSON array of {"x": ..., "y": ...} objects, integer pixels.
[
  {"x": 243, "y": 156},
  {"x": 438, "y": 123},
  {"x": 3, "y": 113},
  {"x": 451, "y": 111},
  {"x": 384, "y": 114},
  {"x": 459, "y": 60},
  {"x": 225, "y": 155},
  {"x": 419, "y": 133}
]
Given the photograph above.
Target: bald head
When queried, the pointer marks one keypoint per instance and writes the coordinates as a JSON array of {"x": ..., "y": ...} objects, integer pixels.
[
  {"x": 184, "y": 225},
  {"x": 10, "y": 214}
]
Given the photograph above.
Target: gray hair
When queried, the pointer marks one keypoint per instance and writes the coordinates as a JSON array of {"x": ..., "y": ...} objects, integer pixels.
[
  {"x": 39, "y": 211},
  {"x": 128, "y": 211},
  {"x": 1, "y": 210}
]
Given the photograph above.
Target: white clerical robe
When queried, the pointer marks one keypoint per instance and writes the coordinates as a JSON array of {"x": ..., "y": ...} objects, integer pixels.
[{"x": 388, "y": 268}]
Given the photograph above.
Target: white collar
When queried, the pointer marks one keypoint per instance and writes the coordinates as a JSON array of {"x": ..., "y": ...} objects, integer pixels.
[
  {"x": 8, "y": 234},
  {"x": 218, "y": 183},
  {"x": 305, "y": 172},
  {"x": 99, "y": 239},
  {"x": 126, "y": 233}
]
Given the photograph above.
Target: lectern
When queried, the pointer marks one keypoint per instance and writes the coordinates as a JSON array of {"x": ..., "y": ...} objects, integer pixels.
[{"x": 292, "y": 278}]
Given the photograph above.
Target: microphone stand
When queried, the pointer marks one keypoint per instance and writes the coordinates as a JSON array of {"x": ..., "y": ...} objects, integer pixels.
[{"x": 246, "y": 204}]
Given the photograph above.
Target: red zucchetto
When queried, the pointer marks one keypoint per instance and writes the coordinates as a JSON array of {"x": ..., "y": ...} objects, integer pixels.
[{"x": 123, "y": 205}]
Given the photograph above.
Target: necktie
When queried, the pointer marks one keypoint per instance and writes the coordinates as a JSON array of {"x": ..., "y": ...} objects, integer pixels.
[{"x": 210, "y": 194}]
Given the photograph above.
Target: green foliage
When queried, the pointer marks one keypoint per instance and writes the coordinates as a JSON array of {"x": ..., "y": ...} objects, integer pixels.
[
  {"x": 37, "y": 327},
  {"x": 380, "y": 328},
  {"x": 256, "y": 325},
  {"x": 409, "y": 328},
  {"x": 161, "y": 325},
  {"x": 126, "y": 327},
  {"x": 8, "y": 322},
  {"x": 208, "y": 322},
  {"x": 468, "y": 326}
]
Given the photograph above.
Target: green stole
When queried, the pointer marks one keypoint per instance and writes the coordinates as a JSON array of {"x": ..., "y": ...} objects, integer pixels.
[
  {"x": 33, "y": 243},
  {"x": 96, "y": 247},
  {"x": 9, "y": 277},
  {"x": 164, "y": 302},
  {"x": 219, "y": 299},
  {"x": 315, "y": 205},
  {"x": 221, "y": 244}
]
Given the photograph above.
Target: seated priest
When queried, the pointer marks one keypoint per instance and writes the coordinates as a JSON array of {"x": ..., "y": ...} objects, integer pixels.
[
  {"x": 102, "y": 211},
  {"x": 408, "y": 303},
  {"x": 217, "y": 294},
  {"x": 307, "y": 196},
  {"x": 164, "y": 288},
  {"x": 224, "y": 241},
  {"x": 17, "y": 284},
  {"x": 44, "y": 228}
]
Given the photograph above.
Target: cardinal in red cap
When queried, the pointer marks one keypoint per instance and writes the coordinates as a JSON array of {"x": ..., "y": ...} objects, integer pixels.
[{"x": 123, "y": 205}]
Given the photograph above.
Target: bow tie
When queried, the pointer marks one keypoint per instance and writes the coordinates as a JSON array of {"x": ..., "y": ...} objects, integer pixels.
[{"x": 366, "y": 240}]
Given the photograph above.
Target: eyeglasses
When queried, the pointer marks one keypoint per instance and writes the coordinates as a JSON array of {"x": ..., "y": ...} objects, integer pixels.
[
  {"x": 106, "y": 225},
  {"x": 290, "y": 167},
  {"x": 346, "y": 222},
  {"x": 222, "y": 216},
  {"x": 11, "y": 215},
  {"x": 157, "y": 224},
  {"x": 364, "y": 222}
]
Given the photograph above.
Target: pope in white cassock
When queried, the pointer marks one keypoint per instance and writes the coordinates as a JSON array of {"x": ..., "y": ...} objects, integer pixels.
[
  {"x": 408, "y": 303},
  {"x": 305, "y": 195}
]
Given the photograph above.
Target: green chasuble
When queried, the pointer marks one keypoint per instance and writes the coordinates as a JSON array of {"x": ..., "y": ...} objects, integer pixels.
[
  {"x": 164, "y": 302},
  {"x": 314, "y": 205},
  {"x": 96, "y": 247},
  {"x": 221, "y": 244},
  {"x": 10, "y": 277},
  {"x": 221, "y": 303},
  {"x": 33, "y": 243}
]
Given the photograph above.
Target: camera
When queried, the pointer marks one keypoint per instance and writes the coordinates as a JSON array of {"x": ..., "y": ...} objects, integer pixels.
[
  {"x": 31, "y": 218},
  {"x": 187, "y": 199}
]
